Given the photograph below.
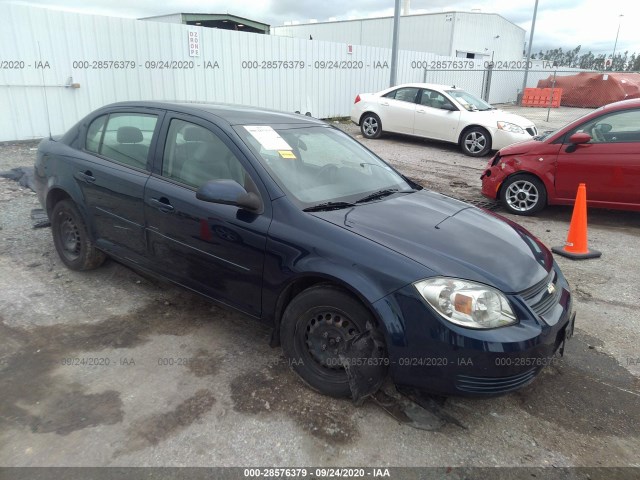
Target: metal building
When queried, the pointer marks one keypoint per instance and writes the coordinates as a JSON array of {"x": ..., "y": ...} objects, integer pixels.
[
  {"x": 456, "y": 34},
  {"x": 222, "y": 21}
]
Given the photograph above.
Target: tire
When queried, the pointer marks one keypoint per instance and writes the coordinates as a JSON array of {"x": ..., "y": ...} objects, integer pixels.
[
  {"x": 475, "y": 142},
  {"x": 314, "y": 319},
  {"x": 523, "y": 194},
  {"x": 71, "y": 238},
  {"x": 370, "y": 125}
]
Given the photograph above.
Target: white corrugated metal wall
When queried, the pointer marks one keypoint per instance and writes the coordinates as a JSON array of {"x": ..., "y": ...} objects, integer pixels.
[
  {"x": 58, "y": 39},
  {"x": 440, "y": 33}
]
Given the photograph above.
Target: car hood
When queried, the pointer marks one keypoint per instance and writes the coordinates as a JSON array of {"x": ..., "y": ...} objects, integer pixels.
[
  {"x": 493, "y": 116},
  {"x": 451, "y": 238},
  {"x": 528, "y": 146}
]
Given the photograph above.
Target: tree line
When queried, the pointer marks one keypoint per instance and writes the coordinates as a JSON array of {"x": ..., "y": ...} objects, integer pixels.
[{"x": 621, "y": 62}]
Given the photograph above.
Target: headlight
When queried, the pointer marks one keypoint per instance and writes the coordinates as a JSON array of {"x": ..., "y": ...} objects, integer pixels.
[
  {"x": 510, "y": 127},
  {"x": 466, "y": 303}
]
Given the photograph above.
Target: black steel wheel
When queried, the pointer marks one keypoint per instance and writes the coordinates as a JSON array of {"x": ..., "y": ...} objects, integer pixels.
[
  {"x": 71, "y": 238},
  {"x": 316, "y": 329}
]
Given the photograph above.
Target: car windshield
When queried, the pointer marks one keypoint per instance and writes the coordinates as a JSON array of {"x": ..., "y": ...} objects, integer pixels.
[
  {"x": 468, "y": 101},
  {"x": 321, "y": 165}
]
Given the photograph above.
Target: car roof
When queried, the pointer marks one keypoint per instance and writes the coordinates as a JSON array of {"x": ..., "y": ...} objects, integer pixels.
[
  {"x": 435, "y": 86},
  {"x": 622, "y": 104},
  {"x": 232, "y": 114}
]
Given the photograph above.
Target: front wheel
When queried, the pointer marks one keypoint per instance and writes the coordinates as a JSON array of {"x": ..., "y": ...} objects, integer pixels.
[
  {"x": 321, "y": 329},
  {"x": 523, "y": 195},
  {"x": 475, "y": 142},
  {"x": 71, "y": 238},
  {"x": 370, "y": 125}
]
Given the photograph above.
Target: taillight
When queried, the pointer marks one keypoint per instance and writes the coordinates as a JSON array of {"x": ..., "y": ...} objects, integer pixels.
[{"x": 357, "y": 99}]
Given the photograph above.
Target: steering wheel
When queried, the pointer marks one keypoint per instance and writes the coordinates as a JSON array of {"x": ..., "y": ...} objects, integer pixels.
[
  {"x": 328, "y": 173},
  {"x": 597, "y": 135}
]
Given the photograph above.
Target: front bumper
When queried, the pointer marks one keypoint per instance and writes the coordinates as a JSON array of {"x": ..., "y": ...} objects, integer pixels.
[
  {"x": 431, "y": 354},
  {"x": 492, "y": 178}
]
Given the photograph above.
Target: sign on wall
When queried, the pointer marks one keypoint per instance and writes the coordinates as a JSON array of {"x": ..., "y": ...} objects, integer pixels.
[{"x": 194, "y": 43}]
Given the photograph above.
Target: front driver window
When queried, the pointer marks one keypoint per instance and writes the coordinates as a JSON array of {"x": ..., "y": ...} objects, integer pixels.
[
  {"x": 617, "y": 127},
  {"x": 433, "y": 99},
  {"x": 194, "y": 155}
]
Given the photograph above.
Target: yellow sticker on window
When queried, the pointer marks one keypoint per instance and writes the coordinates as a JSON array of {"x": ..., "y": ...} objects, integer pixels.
[{"x": 286, "y": 154}]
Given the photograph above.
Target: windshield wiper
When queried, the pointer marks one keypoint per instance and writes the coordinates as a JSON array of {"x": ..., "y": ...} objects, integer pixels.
[
  {"x": 328, "y": 206},
  {"x": 378, "y": 194}
]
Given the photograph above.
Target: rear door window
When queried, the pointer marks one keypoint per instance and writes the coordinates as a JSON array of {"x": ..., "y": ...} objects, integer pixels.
[
  {"x": 125, "y": 139},
  {"x": 405, "y": 94}
]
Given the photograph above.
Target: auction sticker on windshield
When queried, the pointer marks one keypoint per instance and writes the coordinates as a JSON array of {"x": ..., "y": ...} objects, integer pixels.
[{"x": 267, "y": 137}]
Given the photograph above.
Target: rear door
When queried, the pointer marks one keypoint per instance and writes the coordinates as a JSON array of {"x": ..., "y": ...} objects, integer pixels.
[
  {"x": 214, "y": 249},
  {"x": 397, "y": 110},
  {"x": 609, "y": 164},
  {"x": 432, "y": 120},
  {"x": 112, "y": 178}
]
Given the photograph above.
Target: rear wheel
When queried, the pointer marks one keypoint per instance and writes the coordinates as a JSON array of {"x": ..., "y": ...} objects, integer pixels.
[
  {"x": 523, "y": 194},
  {"x": 475, "y": 142},
  {"x": 316, "y": 327},
  {"x": 370, "y": 125},
  {"x": 71, "y": 238}
]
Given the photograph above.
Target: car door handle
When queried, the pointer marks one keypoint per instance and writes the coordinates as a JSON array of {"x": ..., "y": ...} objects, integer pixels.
[
  {"x": 385, "y": 104},
  {"x": 421, "y": 111},
  {"x": 161, "y": 204},
  {"x": 85, "y": 176}
]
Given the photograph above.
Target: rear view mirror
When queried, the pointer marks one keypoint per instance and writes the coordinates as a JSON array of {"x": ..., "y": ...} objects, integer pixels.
[
  {"x": 448, "y": 106},
  {"x": 229, "y": 192}
]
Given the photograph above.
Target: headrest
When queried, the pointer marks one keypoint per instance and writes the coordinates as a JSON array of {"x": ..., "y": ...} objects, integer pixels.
[
  {"x": 129, "y": 135},
  {"x": 196, "y": 134}
]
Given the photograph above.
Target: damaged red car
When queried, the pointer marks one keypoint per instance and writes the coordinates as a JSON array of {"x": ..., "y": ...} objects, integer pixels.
[{"x": 600, "y": 149}]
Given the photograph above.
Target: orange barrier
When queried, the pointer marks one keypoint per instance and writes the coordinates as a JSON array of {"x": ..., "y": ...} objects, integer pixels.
[
  {"x": 542, "y": 97},
  {"x": 576, "y": 247}
]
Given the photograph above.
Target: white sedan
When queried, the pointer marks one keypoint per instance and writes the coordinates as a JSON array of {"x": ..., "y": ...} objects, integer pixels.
[{"x": 440, "y": 112}]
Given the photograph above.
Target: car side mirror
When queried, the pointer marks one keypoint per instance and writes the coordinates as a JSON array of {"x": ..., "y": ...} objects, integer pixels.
[
  {"x": 229, "y": 192},
  {"x": 577, "y": 139},
  {"x": 580, "y": 138},
  {"x": 448, "y": 106}
]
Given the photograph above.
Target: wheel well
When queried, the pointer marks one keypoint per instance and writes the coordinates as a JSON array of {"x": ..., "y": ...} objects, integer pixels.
[
  {"x": 469, "y": 127},
  {"x": 298, "y": 286},
  {"x": 362, "y": 116},
  {"x": 54, "y": 196}
]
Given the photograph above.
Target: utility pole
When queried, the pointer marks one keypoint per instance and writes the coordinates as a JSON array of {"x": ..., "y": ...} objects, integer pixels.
[
  {"x": 613, "y": 57},
  {"x": 394, "y": 44},
  {"x": 526, "y": 63}
]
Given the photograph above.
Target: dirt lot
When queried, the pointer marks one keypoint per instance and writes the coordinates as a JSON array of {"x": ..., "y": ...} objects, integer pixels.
[{"x": 234, "y": 402}]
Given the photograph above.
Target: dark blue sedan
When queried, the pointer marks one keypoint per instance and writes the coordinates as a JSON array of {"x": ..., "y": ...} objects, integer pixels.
[{"x": 362, "y": 273}]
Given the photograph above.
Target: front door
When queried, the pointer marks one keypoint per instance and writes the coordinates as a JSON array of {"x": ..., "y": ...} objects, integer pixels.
[
  {"x": 433, "y": 120},
  {"x": 609, "y": 164},
  {"x": 215, "y": 249}
]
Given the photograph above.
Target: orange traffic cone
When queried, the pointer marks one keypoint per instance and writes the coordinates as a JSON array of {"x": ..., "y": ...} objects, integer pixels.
[{"x": 576, "y": 245}]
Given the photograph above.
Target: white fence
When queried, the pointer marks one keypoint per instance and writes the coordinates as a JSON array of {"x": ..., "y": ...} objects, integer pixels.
[{"x": 116, "y": 59}]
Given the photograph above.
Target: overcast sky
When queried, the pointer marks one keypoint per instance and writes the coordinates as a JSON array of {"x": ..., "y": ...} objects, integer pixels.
[{"x": 560, "y": 23}]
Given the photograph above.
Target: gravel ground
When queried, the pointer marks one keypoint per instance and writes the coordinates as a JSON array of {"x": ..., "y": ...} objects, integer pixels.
[{"x": 234, "y": 401}]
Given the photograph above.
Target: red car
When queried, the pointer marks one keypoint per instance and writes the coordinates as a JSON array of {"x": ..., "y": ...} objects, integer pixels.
[{"x": 601, "y": 149}]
